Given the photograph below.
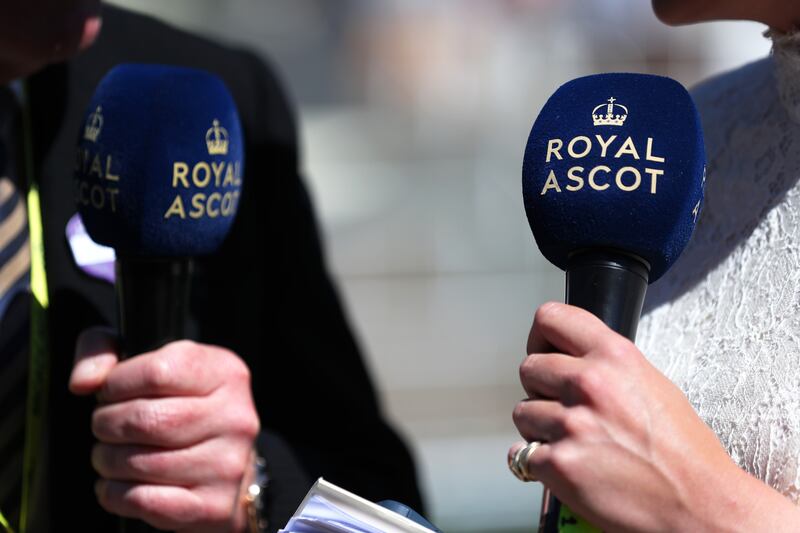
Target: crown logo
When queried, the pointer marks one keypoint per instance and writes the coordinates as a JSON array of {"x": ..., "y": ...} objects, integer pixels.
[
  {"x": 217, "y": 139},
  {"x": 609, "y": 118},
  {"x": 94, "y": 124}
]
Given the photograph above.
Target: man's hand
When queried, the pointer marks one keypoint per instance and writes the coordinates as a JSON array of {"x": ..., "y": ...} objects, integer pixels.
[
  {"x": 623, "y": 446},
  {"x": 175, "y": 428}
]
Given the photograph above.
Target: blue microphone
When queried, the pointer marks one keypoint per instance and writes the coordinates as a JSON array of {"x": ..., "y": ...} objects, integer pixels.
[
  {"x": 612, "y": 180},
  {"x": 158, "y": 177}
]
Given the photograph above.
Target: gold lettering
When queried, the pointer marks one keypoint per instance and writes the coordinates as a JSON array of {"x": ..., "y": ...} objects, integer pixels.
[
  {"x": 109, "y": 175},
  {"x": 226, "y": 205},
  {"x": 572, "y": 174},
  {"x": 553, "y": 146},
  {"x": 649, "y": 156},
  {"x": 592, "y": 173},
  {"x": 197, "y": 203},
  {"x": 97, "y": 167},
  {"x": 654, "y": 174},
  {"x": 604, "y": 145},
  {"x": 217, "y": 167},
  {"x": 179, "y": 172},
  {"x": 571, "y": 147},
  {"x": 213, "y": 212},
  {"x": 229, "y": 178},
  {"x": 176, "y": 208},
  {"x": 636, "y": 183},
  {"x": 201, "y": 183},
  {"x": 627, "y": 148},
  {"x": 551, "y": 183},
  {"x": 237, "y": 169}
]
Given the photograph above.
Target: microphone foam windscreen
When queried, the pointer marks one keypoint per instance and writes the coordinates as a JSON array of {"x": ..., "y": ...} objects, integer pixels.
[
  {"x": 160, "y": 161},
  {"x": 615, "y": 161}
]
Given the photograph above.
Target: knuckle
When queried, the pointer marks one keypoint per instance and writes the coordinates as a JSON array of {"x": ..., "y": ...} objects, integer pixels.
[
  {"x": 586, "y": 383},
  {"x": 230, "y": 465},
  {"x": 184, "y": 346},
  {"x": 562, "y": 460},
  {"x": 617, "y": 348},
  {"x": 146, "y": 465},
  {"x": 546, "y": 312},
  {"x": 217, "y": 510},
  {"x": 143, "y": 500},
  {"x": 238, "y": 370},
  {"x": 243, "y": 420},
  {"x": 576, "y": 421},
  {"x": 158, "y": 373},
  {"x": 148, "y": 504}
]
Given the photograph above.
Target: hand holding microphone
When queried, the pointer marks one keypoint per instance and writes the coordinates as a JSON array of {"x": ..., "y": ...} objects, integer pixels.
[
  {"x": 158, "y": 178},
  {"x": 613, "y": 183},
  {"x": 175, "y": 430},
  {"x": 622, "y": 447}
]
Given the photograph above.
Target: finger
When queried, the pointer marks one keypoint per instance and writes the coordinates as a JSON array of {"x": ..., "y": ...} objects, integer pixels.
[
  {"x": 95, "y": 357},
  {"x": 568, "y": 329},
  {"x": 165, "y": 422},
  {"x": 537, "y": 460},
  {"x": 211, "y": 461},
  {"x": 162, "y": 506},
  {"x": 551, "y": 375},
  {"x": 181, "y": 368},
  {"x": 540, "y": 420}
]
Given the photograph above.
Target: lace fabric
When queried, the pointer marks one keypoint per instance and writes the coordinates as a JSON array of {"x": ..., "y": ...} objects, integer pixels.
[{"x": 724, "y": 324}]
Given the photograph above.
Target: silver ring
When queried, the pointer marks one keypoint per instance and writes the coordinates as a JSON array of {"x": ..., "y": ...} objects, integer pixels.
[{"x": 519, "y": 463}]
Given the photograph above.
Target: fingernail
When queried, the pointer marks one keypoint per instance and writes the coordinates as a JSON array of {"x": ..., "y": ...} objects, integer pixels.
[
  {"x": 86, "y": 370},
  {"x": 89, "y": 373}
]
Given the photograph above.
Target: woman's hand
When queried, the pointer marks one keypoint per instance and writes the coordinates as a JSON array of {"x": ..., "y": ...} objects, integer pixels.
[{"x": 623, "y": 447}]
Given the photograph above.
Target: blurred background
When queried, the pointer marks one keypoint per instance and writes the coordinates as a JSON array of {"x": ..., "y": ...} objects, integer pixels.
[{"x": 414, "y": 116}]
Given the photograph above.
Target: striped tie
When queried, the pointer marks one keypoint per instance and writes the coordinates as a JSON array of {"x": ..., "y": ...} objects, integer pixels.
[{"x": 14, "y": 317}]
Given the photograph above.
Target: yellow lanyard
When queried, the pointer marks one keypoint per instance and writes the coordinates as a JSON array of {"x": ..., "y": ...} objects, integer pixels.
[{"x": 39, "y": 352}]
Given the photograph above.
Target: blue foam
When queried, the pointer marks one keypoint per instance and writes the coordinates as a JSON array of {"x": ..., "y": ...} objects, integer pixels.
[
  {"x": 651, "y": 216},
  {"x": 160, "y": 161}
]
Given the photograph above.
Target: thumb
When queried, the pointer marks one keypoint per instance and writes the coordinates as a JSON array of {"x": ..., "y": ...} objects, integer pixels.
[{"x": 95, "y": 356}]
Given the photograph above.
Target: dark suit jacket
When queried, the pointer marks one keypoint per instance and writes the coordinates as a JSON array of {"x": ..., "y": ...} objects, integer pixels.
[{"x": 266, "y": 294}]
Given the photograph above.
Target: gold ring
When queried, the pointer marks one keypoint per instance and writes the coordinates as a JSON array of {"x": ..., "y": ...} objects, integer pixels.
[{"x": 519, "y": 463}]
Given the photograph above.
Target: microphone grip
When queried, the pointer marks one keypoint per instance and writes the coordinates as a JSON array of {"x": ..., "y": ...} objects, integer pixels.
[
  {"x": 153, "y": 305},
  {"x": 153, "y": 300},
  {"x": 611, "y": 285}
]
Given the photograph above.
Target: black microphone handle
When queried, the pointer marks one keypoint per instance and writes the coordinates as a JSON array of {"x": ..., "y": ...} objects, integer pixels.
[
  {"x": 153, "y": 306},
  {"x": 611, "y": 285}
]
